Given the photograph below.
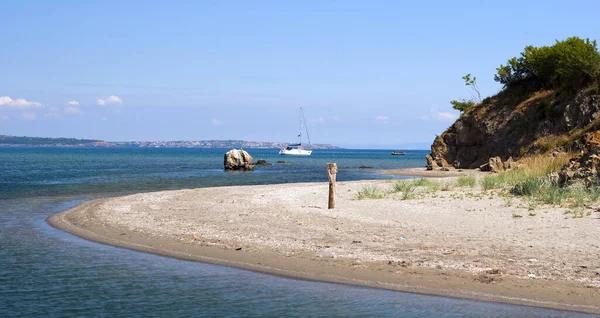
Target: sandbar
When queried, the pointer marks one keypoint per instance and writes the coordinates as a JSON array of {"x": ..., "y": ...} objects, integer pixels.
[{"x": 464, "y": 243}]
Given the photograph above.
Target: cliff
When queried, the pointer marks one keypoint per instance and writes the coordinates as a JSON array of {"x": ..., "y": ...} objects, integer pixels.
[{"x": 520, "y": 120}]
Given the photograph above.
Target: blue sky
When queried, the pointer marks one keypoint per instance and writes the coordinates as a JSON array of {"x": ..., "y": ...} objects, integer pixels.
[{"x": 369, "y": 74}]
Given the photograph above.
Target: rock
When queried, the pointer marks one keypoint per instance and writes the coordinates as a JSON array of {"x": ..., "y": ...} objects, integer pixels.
[
  {"x": 509, "y": 164},
  {"x": 262, "y": 162},
  {"x": 586, "y": 166},
  {"x": 437, "y": 163},
  {"x": 237, "y": 159},
  {"x": 442, "y": 162},
  {"x": 431, "y": 164},
  {"x": 282, "y": 161},
  {"x": 484, "y": 167},
  {"x": 456, "y": 164},
  {"x": 365, "y": 167},
  {"x": 496, "y": 165}
]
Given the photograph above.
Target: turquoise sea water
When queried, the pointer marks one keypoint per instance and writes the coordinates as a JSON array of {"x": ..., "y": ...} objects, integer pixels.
[{"x": 45, "y": 272}]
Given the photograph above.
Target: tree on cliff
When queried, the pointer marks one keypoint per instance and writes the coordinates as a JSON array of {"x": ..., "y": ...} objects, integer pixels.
[
  {"x": 463, "y": 104},
  {"x": 569, "y": 64}
]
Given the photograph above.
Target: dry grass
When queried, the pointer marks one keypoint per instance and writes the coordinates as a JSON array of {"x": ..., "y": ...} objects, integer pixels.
[{"x": 529, "y": 169}]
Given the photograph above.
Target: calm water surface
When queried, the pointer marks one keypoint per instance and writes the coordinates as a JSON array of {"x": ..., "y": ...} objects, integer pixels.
[{"x": 45, "y": 272}]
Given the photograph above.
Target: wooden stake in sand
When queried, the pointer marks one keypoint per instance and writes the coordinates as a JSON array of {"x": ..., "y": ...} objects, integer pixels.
[{"x": 331, "y": 171}]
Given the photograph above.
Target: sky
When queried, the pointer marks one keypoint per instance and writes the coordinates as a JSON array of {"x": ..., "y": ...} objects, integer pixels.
[{"x": 368, "y": 74}]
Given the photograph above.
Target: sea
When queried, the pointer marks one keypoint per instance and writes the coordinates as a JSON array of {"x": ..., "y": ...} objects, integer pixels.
[{"x": 45, "y": 272}]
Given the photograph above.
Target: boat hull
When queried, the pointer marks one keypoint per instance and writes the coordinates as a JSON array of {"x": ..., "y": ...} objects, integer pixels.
[{"x": 295, "y": 152}]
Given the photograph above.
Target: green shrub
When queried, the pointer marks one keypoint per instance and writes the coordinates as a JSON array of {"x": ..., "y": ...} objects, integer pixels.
[
  {"x": 430, "y": 185},
  {"x": 528, "y": 187},
  {"x": 403, "y": 186},
  {"x": 370, "y": 192},
  {"x": 572, "y": 63},
  {"x": 490, "y": 182},
  {"x": 462, "y": 105},
  {"x": 466, "y": 181},
  {"x": 408, "y": 194},
  {"x": 594, "y": 193},
  {"x": 553, "y": 194}
]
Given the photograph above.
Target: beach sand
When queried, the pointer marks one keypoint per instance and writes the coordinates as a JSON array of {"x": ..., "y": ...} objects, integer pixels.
[{"x": 460, "y": 243}]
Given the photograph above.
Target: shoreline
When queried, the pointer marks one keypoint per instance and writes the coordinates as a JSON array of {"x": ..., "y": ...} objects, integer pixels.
[
  {"x": 313, "y": 243},
  {"x": 422, "y": 172}
]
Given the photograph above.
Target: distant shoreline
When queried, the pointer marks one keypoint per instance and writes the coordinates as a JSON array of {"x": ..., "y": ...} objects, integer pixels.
[
  {"x": 20, "y": 141},
  {"x": 466, "y": 248}
]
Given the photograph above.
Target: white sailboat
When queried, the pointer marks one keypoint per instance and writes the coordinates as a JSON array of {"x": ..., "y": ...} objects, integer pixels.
[{"x": 297, "y": 149}]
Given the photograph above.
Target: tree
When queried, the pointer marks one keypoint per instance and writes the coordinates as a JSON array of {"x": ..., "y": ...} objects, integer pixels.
[
  {"x": 569, "y": 64},
  {"x": 463, "y": 105},
  {"x": 472, "y": 82}
]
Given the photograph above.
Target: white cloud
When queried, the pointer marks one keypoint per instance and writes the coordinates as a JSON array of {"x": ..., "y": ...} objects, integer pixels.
[
  {"x": 73, "y": 103},
  {"x": 72, "y": 110},
  {"x": 19, "y": 103},
  {"x": 29, "y": 115},
  {"x": 217, "y": 122},
  {"x": 434, "y": 114},
  {"x": 446, "y": 116},
  {"x": 382, "y": 118},
  {"x": 112, "y": 99}
]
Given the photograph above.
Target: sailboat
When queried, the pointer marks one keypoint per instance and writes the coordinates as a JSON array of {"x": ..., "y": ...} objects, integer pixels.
[{"x": 296, "y": 149}]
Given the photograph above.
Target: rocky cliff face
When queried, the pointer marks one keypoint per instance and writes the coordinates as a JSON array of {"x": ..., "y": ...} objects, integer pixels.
[{"x": 518, "y": 122}]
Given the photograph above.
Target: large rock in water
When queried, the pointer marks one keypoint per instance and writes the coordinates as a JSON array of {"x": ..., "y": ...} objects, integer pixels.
[{"x": 237, "y": 159}]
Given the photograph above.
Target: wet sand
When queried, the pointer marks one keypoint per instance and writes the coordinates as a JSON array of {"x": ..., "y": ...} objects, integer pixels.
[{"x": 460, "y": 243}]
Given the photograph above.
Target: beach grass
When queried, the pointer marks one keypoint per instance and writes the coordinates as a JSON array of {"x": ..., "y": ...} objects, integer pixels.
[
  {"x": 530, "y": 181},
  {"x": 370, "y": 192},
  {"x": 466, "y": 181},
  {"x": 409, "y": 189}
]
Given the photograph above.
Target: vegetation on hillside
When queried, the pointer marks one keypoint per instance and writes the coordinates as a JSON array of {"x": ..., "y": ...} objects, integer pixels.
[{"x": 568, "y": 65}]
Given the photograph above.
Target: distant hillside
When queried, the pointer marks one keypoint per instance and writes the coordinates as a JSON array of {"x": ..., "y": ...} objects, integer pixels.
[
  {"x": 72, "y": 142},
  {"x": 550, "y": 100},
  {"x": 41, "y": 141}
]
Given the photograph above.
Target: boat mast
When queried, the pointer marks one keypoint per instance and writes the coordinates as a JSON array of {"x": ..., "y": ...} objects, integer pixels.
[
  {"x": 306, "y": 127},
  {"x": 301, "y": 126}
]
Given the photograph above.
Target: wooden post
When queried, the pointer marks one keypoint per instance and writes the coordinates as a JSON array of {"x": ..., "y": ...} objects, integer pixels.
[{"x": 331, "y": 171}]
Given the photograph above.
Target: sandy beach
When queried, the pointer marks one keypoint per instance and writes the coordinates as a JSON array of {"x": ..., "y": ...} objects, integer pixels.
[{"x": 460, "y": 243}]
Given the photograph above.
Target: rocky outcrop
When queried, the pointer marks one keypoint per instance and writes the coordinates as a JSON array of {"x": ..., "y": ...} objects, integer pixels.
[
  {"x": 237, "y": 159},
  {"x": 513, "y": 123},
  {"x": 262, "y": 162},
  {"x": 437, "y": 163},
  {"x": 585, "y": 167},
  {"x": 496, "y": 165}
]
